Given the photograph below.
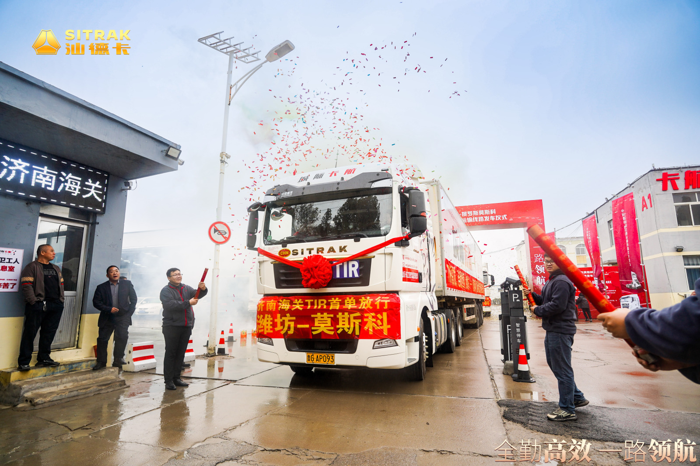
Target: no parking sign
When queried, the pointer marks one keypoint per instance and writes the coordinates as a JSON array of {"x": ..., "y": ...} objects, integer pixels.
[{"x": 219, "y": 232}]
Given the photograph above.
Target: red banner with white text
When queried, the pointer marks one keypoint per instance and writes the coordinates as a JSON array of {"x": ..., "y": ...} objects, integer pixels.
[
  {"x": 590, "y": 239},
  {"x": 330, "y": 317},
  {"x": 629, "y": 257},
  {"x": 458, "y": 279}
]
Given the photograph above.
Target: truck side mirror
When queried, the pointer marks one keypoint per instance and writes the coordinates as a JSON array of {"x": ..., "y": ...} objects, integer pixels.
[
  {"x": 417, "y": 219},
  {"x": 252, "y": 225}
]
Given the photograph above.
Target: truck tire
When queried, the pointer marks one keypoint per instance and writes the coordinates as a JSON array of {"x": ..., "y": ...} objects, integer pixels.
[
  {"x": 479, "y": 314},
  {"x": 302, "y": 370},
  {"x": 457, "y": 312},
  {"x": 417, "y": 371},
  {"x": 451, "y": 342}
]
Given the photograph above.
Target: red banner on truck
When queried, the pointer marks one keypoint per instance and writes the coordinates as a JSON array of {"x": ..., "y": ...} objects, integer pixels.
[
  {"x": 330, "y": 317},
  {"x": 458, "y": 279}
]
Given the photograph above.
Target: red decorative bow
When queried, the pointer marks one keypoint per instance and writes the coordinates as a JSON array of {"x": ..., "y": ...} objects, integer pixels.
[{"x": 316, "y": 270}]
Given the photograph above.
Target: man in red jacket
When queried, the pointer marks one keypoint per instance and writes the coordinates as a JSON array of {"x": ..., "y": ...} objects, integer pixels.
[{"x": 178, "y": 320}]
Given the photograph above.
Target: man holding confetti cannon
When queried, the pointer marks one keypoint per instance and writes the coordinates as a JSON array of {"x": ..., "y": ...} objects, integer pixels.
[
  {"x": 178, "y": 320},
  {"x": 557, "y": 309},
  {"x": 673, "y": 334}
]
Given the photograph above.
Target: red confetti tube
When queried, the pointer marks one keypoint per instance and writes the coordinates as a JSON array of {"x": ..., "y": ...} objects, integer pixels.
[
  {"x": 575, "y": 275},
  {"x": 204, "y": 275},
  {"x": 530, "y": 299}
]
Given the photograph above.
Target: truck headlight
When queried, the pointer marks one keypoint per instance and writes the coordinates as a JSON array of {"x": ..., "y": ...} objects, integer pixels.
[
  {"x": 265, "y": 340},
  {"x": 385, "y": 343}
]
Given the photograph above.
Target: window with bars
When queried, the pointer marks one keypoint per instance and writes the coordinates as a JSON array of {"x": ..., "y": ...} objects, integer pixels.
[
  {"x": 580, "y": 250},
  {"x": 692, "y": 269},
  {"x": 687, "y": 208}
]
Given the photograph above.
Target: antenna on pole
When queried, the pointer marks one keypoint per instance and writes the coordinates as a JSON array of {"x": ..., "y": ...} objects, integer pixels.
[{"x": 337, "y": 151}]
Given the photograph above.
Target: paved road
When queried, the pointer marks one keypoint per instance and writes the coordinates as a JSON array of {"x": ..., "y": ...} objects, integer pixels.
[{"x": 238, "y": 410}]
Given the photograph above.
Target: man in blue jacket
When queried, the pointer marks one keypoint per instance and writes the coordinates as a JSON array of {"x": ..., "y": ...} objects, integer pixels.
[
  {"x": 178, "y": 320},
  {"x": 557, "y": 309},
  {"x": 672, "y": 334},
  {"x": 116, "y": 301}
]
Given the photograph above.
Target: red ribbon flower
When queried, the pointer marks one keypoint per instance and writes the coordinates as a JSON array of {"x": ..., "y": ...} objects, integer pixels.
[{"x": 316, "y": 272}]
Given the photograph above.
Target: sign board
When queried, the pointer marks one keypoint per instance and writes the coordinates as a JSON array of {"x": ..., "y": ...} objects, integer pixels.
[
  {"x": 219, "y": 232},
  {"x": 10, "y": 269},
  {"x": 33, "y": 175}
]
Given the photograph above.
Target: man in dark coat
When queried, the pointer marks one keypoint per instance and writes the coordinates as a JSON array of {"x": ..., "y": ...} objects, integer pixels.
[
  {"x": 672, "y": 334},
  {"x": 116, "y": 301},
  {"x": 42, "y": 287},
  {"x": 178, "y": 320},
  {"x": 582, "y": 302},
  {"x": 558, "y": 312}
]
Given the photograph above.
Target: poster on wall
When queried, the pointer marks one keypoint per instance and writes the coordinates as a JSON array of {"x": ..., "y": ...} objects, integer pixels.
[
  {"x": 627, "y": 249},
  {"x": 10, "y": 269},
  {"x": 612, "y": 287}
]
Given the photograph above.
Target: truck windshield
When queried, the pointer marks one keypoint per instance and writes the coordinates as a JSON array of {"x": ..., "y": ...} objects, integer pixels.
[{"x": 327, "y": 219}]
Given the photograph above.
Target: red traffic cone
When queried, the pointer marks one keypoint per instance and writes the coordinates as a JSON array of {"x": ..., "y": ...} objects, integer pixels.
[
  {"x": 230, "y": 333},
  {"x": 523, "y": 374},
  {"x": 222, "y": 345}
]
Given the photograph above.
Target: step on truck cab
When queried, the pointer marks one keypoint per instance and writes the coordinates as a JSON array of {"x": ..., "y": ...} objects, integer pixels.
[{"x": 410, "y": 285}]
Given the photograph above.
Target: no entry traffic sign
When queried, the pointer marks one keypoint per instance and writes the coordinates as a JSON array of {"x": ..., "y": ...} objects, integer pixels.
[{"x": 219, "y": 232}]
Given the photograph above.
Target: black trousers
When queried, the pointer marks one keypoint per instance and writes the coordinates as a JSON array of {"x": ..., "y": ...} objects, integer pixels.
[
  {"x": 586, "y": 312},
  {"x": 120, "y": 327},
  {"x": 176, "y": 340},
  {"x": 35, "y": 318}
]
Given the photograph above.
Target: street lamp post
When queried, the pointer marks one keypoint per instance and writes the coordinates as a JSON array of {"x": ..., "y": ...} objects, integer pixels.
[{"x": 234, "y": 52}]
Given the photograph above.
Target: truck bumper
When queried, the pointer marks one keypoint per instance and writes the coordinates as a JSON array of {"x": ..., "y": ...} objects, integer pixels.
[{"x": 365, "y": 356}]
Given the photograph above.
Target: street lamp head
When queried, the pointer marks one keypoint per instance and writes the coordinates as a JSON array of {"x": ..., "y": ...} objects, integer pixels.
[{"x": 279, "y": 51}]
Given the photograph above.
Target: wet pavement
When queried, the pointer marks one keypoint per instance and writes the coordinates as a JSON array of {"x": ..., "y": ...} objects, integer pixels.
[{"x": 238, "y": 410}]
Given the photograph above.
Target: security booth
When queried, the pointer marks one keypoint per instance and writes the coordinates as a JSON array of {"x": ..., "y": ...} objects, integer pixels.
[{"x": 66, "y": 167}]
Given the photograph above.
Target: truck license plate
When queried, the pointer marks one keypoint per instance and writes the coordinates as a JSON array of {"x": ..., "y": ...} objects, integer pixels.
[
  {"x": 349, "y": 269},
  {"x": 320, "y": 358}
]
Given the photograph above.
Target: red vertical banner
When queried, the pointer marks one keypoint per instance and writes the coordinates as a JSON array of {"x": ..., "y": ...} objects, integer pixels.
[
  {"x": 629, "y": 257},
  {"x": 590, "y": 239}
]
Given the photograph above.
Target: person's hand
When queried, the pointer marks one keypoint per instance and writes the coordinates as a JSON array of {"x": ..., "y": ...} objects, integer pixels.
[
  {"x": 527, "y": 292},
  {"x": 114, "y": 310},
  {"x": 614, "y": 322},
  {"x": 202, "y": 286},
  {"x": 193, "y": 301},
  {"x": 662, "y": 365}
]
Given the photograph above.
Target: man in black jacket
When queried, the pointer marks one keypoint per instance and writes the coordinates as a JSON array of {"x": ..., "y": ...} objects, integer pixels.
[
  {"x": 42, "y": 286},
  {"x": 178, "y": 320},
  {"x": 116, "y": 301},
  {"x": 558, "y": 312},
  {"x": 582, "y": 302}
]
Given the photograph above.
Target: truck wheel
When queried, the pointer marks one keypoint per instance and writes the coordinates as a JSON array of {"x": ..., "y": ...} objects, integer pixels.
[
  {"x": 417, "y": 371},
  {"x": 451, "y": 342},
  {"x": 457, "y": 312},
  {"x": 302, "y": 370},
  {"x": 479, "y": 314}
]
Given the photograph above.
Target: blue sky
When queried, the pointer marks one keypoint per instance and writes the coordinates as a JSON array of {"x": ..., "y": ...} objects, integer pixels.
[{"x": 565, "y": 101}]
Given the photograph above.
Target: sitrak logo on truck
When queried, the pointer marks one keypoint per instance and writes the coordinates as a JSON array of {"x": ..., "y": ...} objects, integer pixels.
[{"x": 308, "y": 251}]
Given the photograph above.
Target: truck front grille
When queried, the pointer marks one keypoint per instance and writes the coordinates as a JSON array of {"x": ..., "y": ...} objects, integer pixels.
[
  {"x": 287, "y": 276},
  {"x": 327, "y": 346}
]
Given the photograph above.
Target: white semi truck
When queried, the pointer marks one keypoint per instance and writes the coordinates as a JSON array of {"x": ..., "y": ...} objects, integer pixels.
[{"x": 392, "y": 307}]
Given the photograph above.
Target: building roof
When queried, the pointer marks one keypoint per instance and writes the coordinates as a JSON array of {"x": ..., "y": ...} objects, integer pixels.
[{"x": 38, "y": 115}]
